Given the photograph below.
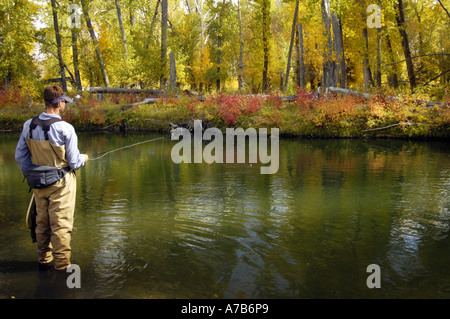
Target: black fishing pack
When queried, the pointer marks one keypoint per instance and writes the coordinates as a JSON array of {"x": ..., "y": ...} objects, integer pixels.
[{"x": 44, "y": 176}]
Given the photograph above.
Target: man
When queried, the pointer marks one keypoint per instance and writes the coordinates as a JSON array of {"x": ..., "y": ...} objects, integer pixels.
[{"x": 47, "y": 142}]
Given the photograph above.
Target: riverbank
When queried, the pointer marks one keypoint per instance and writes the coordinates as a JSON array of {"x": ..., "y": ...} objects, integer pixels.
[{"x": 330, "y": 117}]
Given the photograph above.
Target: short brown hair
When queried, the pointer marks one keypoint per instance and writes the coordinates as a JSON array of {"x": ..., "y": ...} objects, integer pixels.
[{"x": 52, "y": 92}]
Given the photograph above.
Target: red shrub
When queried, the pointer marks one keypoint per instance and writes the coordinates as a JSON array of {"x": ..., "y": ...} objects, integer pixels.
[
  {"x": 12, "y": 97},
  {"x": 229, "y": 108}
]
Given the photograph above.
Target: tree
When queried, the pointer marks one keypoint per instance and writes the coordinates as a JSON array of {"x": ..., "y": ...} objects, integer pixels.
[
  {"x": 95, "y": 42},
  {"x": 405, "y": 44},
  {"x": 58, "y": 46},
  {"x": 241, "y": 51},
  {"x": 294, "y": 23},
  {"x": 261, "y": 39},
  {"x": 122, "y": 30},
  {"x": 74, "y": 31},
  {"x": 164, "y": 21},
  {"x": 366, "y": 66},
  {"x": 445, "y": 9},
  {"x": 127, "y": 43},
  {"x": 265, "y": 10},
  {"x": 17, "y": 41},
  {"x": 339, "y": 51},
  {"x": 300, "y": 58}
]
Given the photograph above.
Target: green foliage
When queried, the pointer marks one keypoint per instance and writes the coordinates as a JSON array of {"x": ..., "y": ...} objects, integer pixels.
[{"x": 18, "y": 67}]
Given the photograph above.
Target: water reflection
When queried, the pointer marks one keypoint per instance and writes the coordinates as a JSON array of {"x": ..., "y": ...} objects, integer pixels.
[
  {"x": 110, "y": 242},
  {"x": 148, "y": 228}
]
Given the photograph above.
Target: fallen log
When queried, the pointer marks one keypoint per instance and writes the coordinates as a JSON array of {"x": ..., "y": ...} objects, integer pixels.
[
  {"x": 398, "y": 124},
  {"x": 56, "y": 80},
  {"x": 145, "y": 101},
  {"x": 106, "y": 90},
  {"x": 347, "y": 91},
  {"x": 288, "y": 98},
  {"x": 368, "y": 96}
]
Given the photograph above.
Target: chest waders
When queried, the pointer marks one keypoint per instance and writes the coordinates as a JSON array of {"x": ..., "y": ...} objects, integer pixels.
[{"x": 49, "y": 166}]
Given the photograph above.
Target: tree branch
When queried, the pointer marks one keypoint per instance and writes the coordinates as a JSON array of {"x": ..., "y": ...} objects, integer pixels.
[
  {"x": 442, "y": 5},
  {"x": 418, "y": 56},
  {"x": 436, "y": 77}
]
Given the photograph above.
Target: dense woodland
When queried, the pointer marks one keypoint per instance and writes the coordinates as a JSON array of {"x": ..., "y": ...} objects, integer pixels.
[{"x": 249, "y": 46}]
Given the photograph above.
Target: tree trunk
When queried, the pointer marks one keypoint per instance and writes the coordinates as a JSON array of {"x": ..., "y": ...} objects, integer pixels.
[
  {"x": 378, "y": 72},
  {"x": 288, "y": 68},
  {"x": 339, "y": 52},
  {"x": 122, "y": 30},
  {"x": 405, "y": 44},
  {"x": 76, "y": 67},
  {"x": 301, "y": 59},
  {"x": 59, "y": 47},
  {"x": 152, "y": 24},
  {"x": 329, "y": 65},
  {"x": 265, "y": 36},
  {"x": 164, "y": 20},
  {"x": 132, "y": 16},
  {"x": 199, "y": 9},
  {"x": 420, "y": 65},
  {"x": 367, "y": 74},
  {"x": 241, "y": 52},
  {"x": 366, "y": 67},
  {"x": 95, "y": 41},
  {"x": 392, "y": 78},
  {"x": 281, "y": 80},
  {"x": 219, "y": 44},
  {"x": 173, "y": 71},
  {"x": 219, "y": 52}
]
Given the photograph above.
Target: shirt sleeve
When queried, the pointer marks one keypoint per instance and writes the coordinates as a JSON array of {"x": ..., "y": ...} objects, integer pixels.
[
  {"x": 23, "y": 155},
  {"x": 73, "y": 156}
]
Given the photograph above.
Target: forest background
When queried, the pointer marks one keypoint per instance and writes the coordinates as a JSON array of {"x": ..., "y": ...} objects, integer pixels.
[{"x": 240, "y": 56}]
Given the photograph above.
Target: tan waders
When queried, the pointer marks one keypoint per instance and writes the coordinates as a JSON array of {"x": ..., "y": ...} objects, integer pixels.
[{"x": 55, "y": 207}]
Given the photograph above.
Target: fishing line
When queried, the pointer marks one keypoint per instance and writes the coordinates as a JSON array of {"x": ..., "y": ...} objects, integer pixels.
[
  {"x": 126, "y": 146},
  {"x": 97, "y": 158}
]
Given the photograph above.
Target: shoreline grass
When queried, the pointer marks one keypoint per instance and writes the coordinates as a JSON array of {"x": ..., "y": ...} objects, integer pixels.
[{"x": 330, "y": 117}]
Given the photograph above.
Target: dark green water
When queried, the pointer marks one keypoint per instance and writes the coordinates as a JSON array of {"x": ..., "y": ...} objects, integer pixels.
[{"x": 148, "y": 228}]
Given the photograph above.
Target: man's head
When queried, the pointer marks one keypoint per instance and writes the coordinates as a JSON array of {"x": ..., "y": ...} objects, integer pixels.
[{"x": 55, "y": 98}]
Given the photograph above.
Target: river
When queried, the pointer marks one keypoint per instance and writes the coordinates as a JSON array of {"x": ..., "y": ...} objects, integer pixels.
[{"x": 146, "y": 227}]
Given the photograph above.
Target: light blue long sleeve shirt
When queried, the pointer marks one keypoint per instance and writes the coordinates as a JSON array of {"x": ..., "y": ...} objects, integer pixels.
[{"x": 60, "y": 133}]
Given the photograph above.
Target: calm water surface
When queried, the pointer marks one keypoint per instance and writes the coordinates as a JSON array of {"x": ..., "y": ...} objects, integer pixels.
[{"x": 148, "y": 228}]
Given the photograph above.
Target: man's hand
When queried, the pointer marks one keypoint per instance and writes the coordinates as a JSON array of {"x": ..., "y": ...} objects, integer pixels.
[{"x": 86, "y": 158}]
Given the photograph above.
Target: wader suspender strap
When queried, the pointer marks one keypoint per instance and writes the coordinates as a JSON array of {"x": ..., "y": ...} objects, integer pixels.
[
  {"x": 45, "y": 124},
  {"x": 41, "y": 176}
]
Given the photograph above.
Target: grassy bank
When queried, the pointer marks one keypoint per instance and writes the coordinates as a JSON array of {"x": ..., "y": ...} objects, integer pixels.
[{"x": 331, "y": 117}]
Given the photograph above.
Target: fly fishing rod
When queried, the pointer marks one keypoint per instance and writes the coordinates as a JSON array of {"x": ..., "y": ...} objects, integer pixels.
[
  {"x": 30, "y": 205},
  {"x": 126, "y": 146}
]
